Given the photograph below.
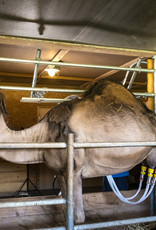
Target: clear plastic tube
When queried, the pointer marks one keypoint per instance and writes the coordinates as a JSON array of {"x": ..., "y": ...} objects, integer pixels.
[
  {"x": 132, "y": 197},
  {"x": 114, "y": 187}
]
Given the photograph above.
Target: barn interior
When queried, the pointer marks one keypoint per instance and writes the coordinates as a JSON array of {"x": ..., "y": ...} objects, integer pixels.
[{"x": 101, "y": 33}]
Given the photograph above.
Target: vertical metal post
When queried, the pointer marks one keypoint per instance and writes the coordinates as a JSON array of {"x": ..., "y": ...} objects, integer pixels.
[
  {"x": 70, "y": 165},
  {"x": 35, "y": 71}
]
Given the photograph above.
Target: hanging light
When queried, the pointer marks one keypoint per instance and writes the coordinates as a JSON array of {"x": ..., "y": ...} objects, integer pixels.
[{"x": 52, "y": 70}]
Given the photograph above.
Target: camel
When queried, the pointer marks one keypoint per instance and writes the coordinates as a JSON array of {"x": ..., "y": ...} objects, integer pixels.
[{"x": 107, "y": 112}]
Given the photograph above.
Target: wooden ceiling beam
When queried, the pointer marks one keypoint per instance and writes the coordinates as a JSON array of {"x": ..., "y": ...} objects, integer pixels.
[
  {"x": 55, "y": 86},
  {"x": 111, "y": 72},
  {"x": 5, "y": 74},
  {"x": 50, "y": 44}
]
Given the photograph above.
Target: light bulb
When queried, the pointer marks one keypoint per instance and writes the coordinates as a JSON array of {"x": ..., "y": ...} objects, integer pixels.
[{"x": 52, "y": 70}]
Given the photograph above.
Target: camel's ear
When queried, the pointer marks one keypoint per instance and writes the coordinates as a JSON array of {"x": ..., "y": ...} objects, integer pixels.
[{"x": 2, "y": 104}]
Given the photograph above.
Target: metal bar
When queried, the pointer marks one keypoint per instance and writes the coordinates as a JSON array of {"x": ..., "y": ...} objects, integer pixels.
[
  {"x": 43, "y": 100},
  {"x": 35, "y": 71},
  {"x": 134, "y": 74},
  {"x": 53, "y": 228},
  {"x": 145, "y": 94},
  {"x": 41, "y": 89},
  {"x": 60, "y": 90},
  {"x": 106, "y": 224},
  {"x": 63, "y": 145},
  {"x": 31, "y": 203},
  {"x": 115, "y": 223},
  {"x": 70, "y": 166},
  {"x": 15, "y": 60},
  {"x": 113, "y": 144},
  {"x": 127, "y": 73},
  {"x": 59, "y": 100},
  {"x": 47, "y": 145}
]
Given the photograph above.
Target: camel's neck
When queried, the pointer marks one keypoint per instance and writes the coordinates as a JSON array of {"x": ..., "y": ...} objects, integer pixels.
[{"x": 37, "y": 133}]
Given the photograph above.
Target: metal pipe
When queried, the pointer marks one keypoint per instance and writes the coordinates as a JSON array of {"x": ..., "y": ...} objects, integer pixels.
[
  {"x": 76, "y": 145},
  {"x": 115, "y": 223},
  {"x": 60, "y": 90},
  {"x": 59, "y": 100},
  {"x": 134, "y": 75},
  {"x": 145, "y": 94},
  {"x": 70, "y": 166},
  {"x": 31, "y": 203},
  {"x": 113, "y": 144},
  {"x": 53, "y": 228},
  {"x": 15, "y": 60},
  {"x": 43, "y": 100},
  {"x": 47, "y": 145},
  {"x": 106, "y": 224},
  {"x": 35, "y": 71},
  {"x": 41, "y": 89},
  {"x": 127, "y": 73}
]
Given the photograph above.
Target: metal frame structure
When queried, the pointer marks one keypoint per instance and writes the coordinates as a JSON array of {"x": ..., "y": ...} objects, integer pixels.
[
  {"x": 37, "y": 97},
  {"x": 71, "y": 145},
  {"x": 39, "y": 62}
]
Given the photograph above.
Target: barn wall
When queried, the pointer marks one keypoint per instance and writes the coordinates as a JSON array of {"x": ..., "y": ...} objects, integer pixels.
[{"x": 23, "y": 115}]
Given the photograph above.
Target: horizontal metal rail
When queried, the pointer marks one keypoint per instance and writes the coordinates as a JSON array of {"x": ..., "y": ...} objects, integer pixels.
[
  {"x": 48, "y": 145},
  {"x": 116, "y": 223},
  {"x": 145, "y": 94},
  {"x": 14, "y": 204},
  {"x": 113, "y": 144},
  {"x": 26, "y": 61},
  {"x": 59, "y": 100},
  {"x": 43, "y": 100},
  {"x": 63, "y": 145},
  {"x": 106, "y": 224},
  {"x": 63, "y": 201},
  {"x": 41, "y": 89},
  {"x": 56, "y": 91}
]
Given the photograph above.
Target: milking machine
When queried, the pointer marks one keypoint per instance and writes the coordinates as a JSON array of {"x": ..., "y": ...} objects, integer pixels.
[{"x": 151, "y": 180}]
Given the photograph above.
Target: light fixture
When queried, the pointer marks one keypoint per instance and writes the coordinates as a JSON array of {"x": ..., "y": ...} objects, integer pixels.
[{"x": 52, "y": 70}]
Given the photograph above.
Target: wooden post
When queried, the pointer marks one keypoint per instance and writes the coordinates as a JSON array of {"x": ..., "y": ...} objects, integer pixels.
[{"x": 150, "y": 84}]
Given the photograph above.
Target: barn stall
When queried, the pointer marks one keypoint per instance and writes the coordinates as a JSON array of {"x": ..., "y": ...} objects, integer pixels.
[{"x": 97, "y": 44}]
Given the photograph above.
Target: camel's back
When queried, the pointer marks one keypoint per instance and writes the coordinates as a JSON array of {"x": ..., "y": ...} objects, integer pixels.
[{"x": 109, "y": 112}]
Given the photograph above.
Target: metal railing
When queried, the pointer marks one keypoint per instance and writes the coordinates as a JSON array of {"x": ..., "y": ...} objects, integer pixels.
[
  {"x": 70, "y": 146},
  {"x": 40, "y": 62}
]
